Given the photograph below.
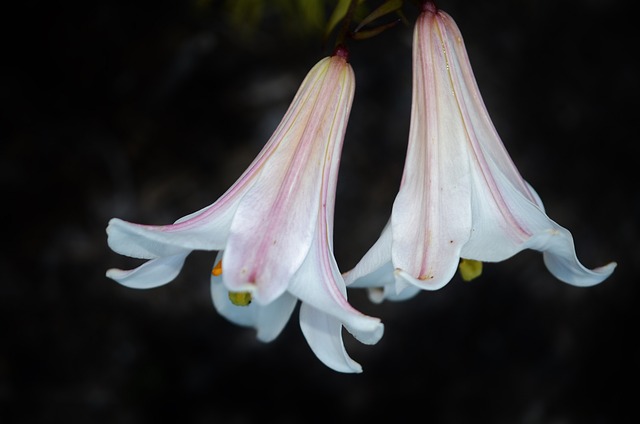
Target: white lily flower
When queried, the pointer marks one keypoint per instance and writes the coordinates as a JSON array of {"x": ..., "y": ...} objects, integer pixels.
[
  {"x": 461, "y": 196},
  {"x": 273, "y": 229}
]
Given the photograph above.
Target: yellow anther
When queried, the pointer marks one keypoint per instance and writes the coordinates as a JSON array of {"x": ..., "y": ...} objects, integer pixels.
[
  {"x": 470, "y": 269},
  {"x": 217, "y": 270},
  {"x": 240, "y": 298}
]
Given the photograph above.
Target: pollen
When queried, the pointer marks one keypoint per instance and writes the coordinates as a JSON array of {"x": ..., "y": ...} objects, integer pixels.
[
  {"x": 217, "y": 270},
  {"x": 240, "y": 298},
  {"x": 469, "y": 269}
]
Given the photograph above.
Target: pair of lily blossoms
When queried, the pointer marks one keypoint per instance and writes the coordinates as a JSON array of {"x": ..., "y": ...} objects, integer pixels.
[{"x": 460, "y": 197}]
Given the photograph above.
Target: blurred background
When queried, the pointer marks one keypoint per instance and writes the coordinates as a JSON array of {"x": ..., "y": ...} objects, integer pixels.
[{"x": 148, "y": 111}]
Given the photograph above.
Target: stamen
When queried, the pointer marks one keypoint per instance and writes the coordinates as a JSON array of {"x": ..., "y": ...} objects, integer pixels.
[
  {"x": 240, "y": 298},
  {"x": 217, "y": 270},
  {"x": 469, "y": 269}
]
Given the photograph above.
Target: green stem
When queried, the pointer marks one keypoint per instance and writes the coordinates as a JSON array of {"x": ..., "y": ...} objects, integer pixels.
[{"x": 344, "y": 30}]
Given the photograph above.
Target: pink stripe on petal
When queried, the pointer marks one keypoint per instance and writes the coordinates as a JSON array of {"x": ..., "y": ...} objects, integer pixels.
[
  {"x": 273, "y": 227},
  {"x": 485, "y": 145},
  {"x": 431, "y": 216}
]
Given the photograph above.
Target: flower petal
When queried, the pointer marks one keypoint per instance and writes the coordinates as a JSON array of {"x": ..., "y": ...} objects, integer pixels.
[
  {"x": 501, "y": 228},
  {"x": 153, "y": 273},
  {"x": 268, "y": 320},
  {"x": 375, "y": 271},
  {"x": 393, "y": 292},
  {"x": 375, "y": 268},
  {"x": 508, "y": 215},
  {"x": 431, "y": 217},
  {"x": 206, "y": 229},
  {"x": 483, "y": 137},
  {"x": 324, "y": 334},
  {"x": 504, "y": 208},
  {"x": 318, "y": 282},
  {"x": 561, "y": 260},
  {"x": 274, "y": 225}
]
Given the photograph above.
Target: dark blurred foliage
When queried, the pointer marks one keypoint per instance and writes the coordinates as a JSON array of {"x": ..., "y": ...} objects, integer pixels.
[{"x": 150, "y": 110}]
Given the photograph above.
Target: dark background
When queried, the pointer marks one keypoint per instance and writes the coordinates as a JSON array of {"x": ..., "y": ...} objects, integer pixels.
[{"x": 148, "y": 111}]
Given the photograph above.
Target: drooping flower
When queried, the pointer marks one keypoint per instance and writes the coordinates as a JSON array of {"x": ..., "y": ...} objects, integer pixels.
[
  {"x": 273, "y": 229},
  {"x": 460, "y": 196}
]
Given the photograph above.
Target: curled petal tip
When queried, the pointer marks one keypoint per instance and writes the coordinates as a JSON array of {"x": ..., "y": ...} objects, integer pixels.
[
  {"x": 569, "y": 270},
  {"x": 372, "y": 335},
  {"x": 153, "y": 273}
]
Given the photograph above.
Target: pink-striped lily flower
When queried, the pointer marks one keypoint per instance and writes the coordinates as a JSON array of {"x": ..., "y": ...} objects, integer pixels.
[
  {"x": 461, "y": 196},
  {"x": 273, "y": 229}
]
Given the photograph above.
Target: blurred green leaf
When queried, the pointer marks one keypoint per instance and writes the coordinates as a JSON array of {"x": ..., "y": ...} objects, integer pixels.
[
  {"x": 363, "y": 35},
  {"x": 245, "y": 14},
  {"x": 312, "y": 12},
  {"x": 387, "y": 7},
  {"x": 337, "y": 15}
]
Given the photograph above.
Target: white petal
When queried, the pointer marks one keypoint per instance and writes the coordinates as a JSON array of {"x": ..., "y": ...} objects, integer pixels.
[
  {"x": 401, "y": 290},
  {"x": 273, "y": 228},
  {"x": 393, "y": 292},
  {"x": 483, "y": 138},
  {"x": 382, "y": 277},
  {"x": 502, "y": 222},
  {"x": 431, "y": 217},
  {"x": 206, "y": 229},
  {"x": 319, "y": 283},
  {"x": 153, "y": 273},
  {"x": 508, "y": 215},
  {"x": 561, "y": 260},
  {"x": 324, "y": 335},
  {"x": 375, "y": 268},
  {"x": 268, "y": 320}
]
